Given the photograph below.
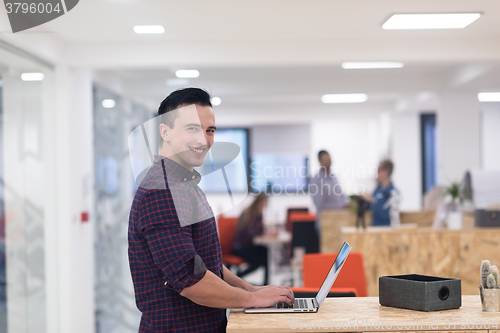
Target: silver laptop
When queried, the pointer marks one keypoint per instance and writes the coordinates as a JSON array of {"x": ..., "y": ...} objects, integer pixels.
[{"x": 311, "y": 304}]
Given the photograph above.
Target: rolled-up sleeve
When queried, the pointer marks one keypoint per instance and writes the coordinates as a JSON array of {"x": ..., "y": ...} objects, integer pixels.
[{"x": 170, "y": 244}]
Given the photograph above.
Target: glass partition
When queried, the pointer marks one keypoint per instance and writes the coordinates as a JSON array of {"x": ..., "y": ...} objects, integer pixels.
[
  {"x": 114, "y": 118},
  {"x": 23, "y": 98}
]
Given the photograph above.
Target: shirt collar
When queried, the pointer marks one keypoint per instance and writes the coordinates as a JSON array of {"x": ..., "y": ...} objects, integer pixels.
[{"x": 177, "y": 173}]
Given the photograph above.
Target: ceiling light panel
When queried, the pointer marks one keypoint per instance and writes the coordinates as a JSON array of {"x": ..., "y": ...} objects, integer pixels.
[
  {"x": 344, "y": 98},
  {"x": 32, "y": 76},
  {"x": 108, "y": 103},
  {"x": 489, "y": 97},
  {"x": 187, "y": 73},
  {"x": 149, "y": 29},
  {"x": 430, "y": 21},
  {"x": 371, "y": 64}
]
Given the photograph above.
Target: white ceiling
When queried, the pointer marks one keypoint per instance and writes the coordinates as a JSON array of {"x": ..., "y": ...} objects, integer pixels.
[
  {"x": 260, "y": 86},
  {"x": 191, "y": 20},
  {"x": 267, "y": 55}
]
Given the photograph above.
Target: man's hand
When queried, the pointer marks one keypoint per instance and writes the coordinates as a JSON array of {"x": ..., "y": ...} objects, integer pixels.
[
  {"x": 214, "y": 292},
  {"x": 269, "y": 295}
]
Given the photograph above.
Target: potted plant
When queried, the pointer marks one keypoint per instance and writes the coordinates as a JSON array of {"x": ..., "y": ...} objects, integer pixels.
[
  {"x": 454, "y": 199},
  {"x": 488, "y": 290}
]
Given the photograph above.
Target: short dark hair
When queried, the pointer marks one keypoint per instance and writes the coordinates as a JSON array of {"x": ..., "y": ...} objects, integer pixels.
[
  {"x": 387, "y": 165},
  {"x": 185, "y": 96},
  {"x": 321, "y": 152},
  {"x": 168, "y": 108}
]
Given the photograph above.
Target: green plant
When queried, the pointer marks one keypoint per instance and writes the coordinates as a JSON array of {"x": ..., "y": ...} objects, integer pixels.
[
  {"x": 489, "y": 275},
  {"x": 454, "y": 192},
  {"x": 494, "y": 272}
]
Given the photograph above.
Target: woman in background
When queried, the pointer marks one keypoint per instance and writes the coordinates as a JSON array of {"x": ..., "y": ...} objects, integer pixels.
[{"x": 249, "y": 226}]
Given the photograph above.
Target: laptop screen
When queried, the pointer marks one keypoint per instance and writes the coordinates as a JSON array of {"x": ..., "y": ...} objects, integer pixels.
[{"x": 334, "y": 271}]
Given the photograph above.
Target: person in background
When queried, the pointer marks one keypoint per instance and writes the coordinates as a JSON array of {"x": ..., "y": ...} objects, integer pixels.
[
  {"x": 249, "y": 226},
  {"x": 384, "y": 202},
  {"x": 325, "y": 189}
]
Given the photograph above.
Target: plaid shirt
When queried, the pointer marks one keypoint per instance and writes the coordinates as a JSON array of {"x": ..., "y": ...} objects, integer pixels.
[{"x": 166, "y": 257}]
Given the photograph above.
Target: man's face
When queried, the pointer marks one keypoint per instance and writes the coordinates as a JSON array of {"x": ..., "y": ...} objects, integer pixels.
[
  {"x": 192, "y": 135},
  {"x": 325, "y": 160}
]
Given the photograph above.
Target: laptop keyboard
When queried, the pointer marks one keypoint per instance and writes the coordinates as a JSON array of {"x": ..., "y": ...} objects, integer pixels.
[{"x": 299, "y": 303}]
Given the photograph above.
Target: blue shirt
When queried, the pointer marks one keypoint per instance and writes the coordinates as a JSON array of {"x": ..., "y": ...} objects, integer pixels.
[{"x": 385, "y": 207}]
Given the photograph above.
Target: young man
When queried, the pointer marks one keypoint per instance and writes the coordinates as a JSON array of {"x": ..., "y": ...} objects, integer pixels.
[
  {"x": 174, "y": 252},
  {"x": 385, "y": 199},
  {"x": 325, "y": 189}
]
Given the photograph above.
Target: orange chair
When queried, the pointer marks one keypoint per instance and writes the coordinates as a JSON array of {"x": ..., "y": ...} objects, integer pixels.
[
  {"x": 334, "y": 292},
  {"x": 316, "y": 266},
  {"x": 226, "y": 227}
]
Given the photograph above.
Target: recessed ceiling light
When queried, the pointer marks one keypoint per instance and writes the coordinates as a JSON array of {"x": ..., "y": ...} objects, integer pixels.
[
  {"x": 489, "y": 97},
  {"x": 216, "y": 101},
  {"x": 149, "y": 29},
  {"x": 430, "y": 21},
  {"x": 177, "y": 82},
  {"x": 32, "y": 76},
  {"x": 377, "y": 64},
  {"x": 108, "y": 103},
  {"x": 187, "y": 73},
  {"x": 344, "y": 98}
]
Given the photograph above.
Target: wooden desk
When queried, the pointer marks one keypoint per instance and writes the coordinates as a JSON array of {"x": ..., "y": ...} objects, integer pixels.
[
  {"x": 333, "y": 220},
  {"x": 355, "y": 315},
  {"x": 438, "y": 252}
]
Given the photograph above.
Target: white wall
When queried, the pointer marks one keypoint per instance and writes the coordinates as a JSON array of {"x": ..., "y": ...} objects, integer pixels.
[
  {"x": 70, "y": 271},
  {"x": 459, "y": 135},
  {"x": 490, "y": 136},
  {"x": 384, "y": 135},
  {"x": 353, "y": 144},
  {"x": 407, "y": 175},
  {"x": 284, "y": 139}
]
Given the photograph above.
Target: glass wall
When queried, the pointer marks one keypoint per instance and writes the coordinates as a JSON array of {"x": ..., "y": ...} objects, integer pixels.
[
  {"x": 22, "y": 185},
  {"x": 114, "y": 119}
]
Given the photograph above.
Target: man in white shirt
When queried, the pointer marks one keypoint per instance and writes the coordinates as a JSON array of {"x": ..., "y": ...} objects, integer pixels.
[{"x": 325, "y": 189}]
